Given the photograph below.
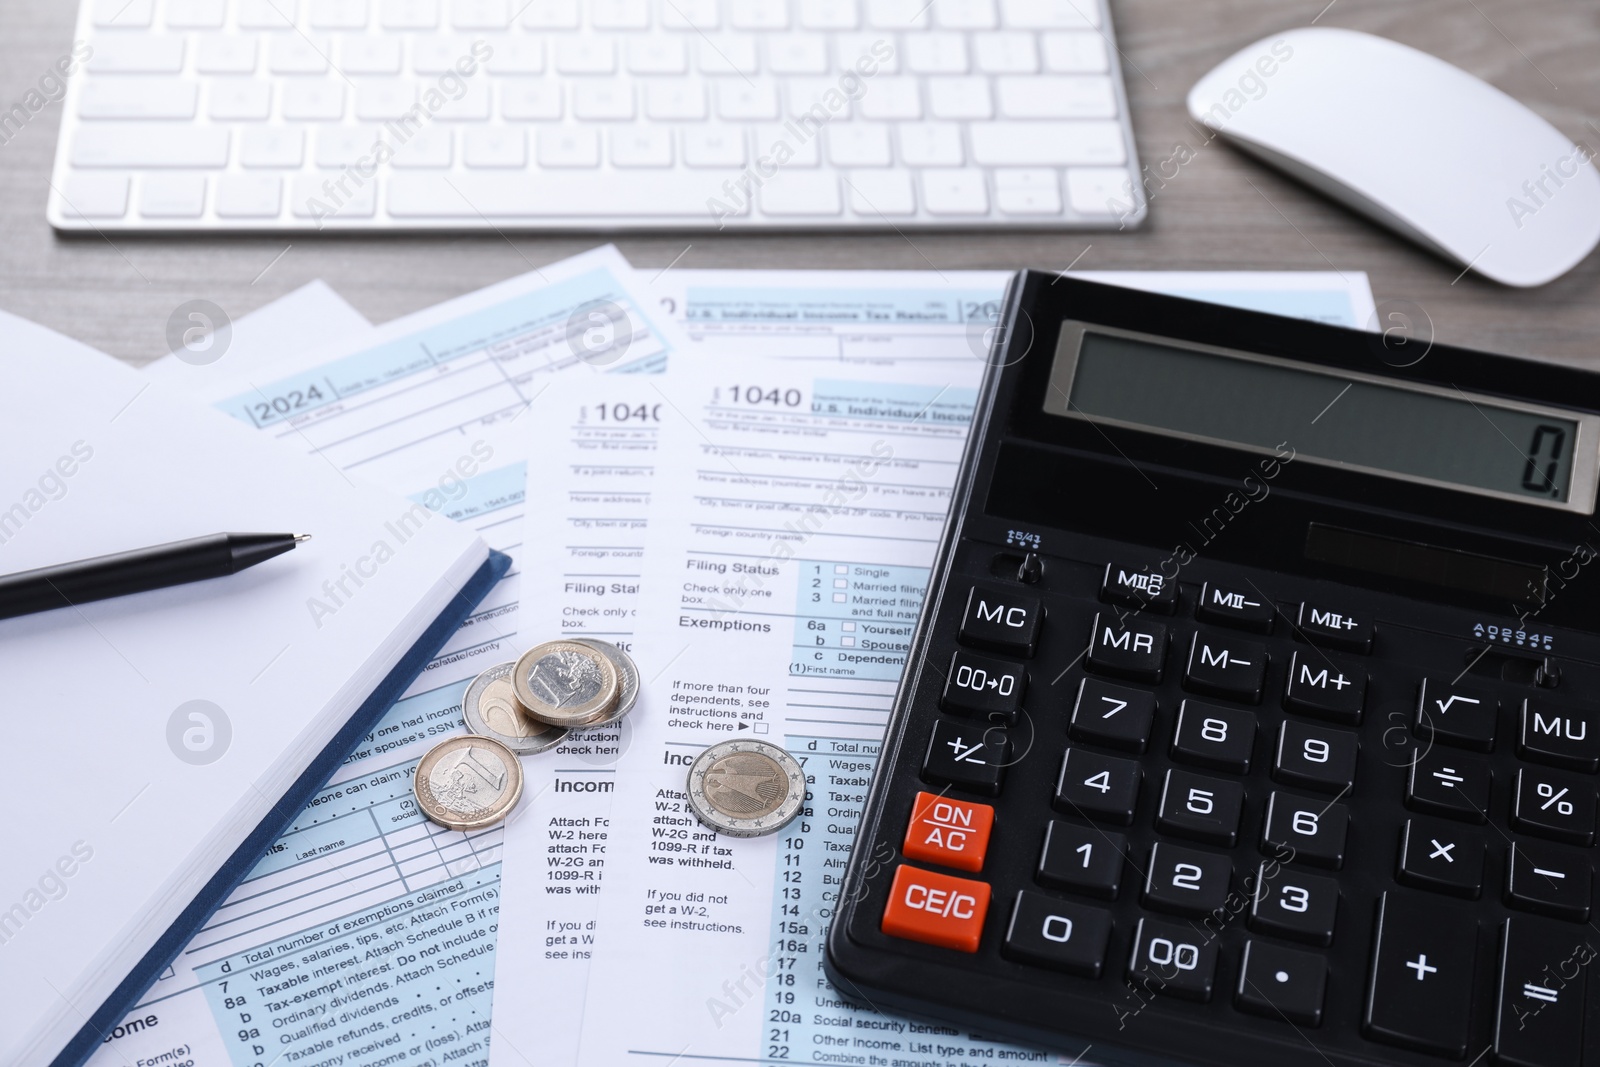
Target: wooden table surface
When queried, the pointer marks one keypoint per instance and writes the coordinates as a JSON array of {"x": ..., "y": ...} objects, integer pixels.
[{"x": 1217, "y": 211}]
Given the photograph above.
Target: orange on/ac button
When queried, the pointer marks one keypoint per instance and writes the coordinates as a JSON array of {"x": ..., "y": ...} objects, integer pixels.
[
  {"x": 951, "y": 833},
  {"x": 936, "y": 909}
]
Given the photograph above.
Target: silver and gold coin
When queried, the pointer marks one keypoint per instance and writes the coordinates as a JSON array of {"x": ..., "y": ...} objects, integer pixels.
[
  {"x": 467, "y": 783},
  {"x": 491, "y": 709},
  {"x": 627, "y": 674},
  {"x": 746, "y": 788},
  {"x": 565, "y": 683}
]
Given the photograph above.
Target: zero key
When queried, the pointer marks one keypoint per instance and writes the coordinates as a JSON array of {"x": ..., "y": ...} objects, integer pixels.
[{"x": 1419, "y": 987}]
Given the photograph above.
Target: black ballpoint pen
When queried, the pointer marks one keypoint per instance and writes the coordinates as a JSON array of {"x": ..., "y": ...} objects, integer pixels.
[{"x": 121, "y": 573}]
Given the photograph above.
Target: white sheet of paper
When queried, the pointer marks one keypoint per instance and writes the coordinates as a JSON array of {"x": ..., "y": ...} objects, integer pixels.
[
  {"x": 420, "y": 405},
  {"x": 137, "y": 817},
  {"x": 608, "y": 503}
]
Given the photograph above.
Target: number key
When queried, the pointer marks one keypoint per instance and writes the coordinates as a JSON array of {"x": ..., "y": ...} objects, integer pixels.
[
  {"x": 1206, "y": 809},
  {"x": 1113, "y": 715},
  {"x": 1213, "y": 736},
  {"x": 1289, "y": 903},
  {"x": 1310, "y": 830},
  {"x": 1082, "y": 858},
  {"x": 1186, "y": 880},
  {"x": 1094, "y": 785},
  {"x": 1173, "y": 960},
  {"x": 1055, "y": 933},
  {"x": 1315, "y": 757}
]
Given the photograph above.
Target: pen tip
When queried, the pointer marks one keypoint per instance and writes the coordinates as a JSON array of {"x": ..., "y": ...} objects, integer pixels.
[{"x": 301, "y": 537}]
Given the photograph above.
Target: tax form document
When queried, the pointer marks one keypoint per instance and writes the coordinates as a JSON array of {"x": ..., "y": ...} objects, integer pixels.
[
  {"x": 366, "y": 936},
  {"x": 600, "y": 449}
]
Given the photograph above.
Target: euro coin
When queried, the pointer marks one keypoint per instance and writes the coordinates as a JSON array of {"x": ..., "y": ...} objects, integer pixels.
[
  {"x": 565, "y": 683},
  {"x": 467, "y": 783},
  {"x": 746, "y": 788},
  {"x": 491, "y": 709},
  {"x": 627, "y": 673}
]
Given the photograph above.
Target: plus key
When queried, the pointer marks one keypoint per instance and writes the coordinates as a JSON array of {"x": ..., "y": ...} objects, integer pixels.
[{"x": 1419, "y": 988}]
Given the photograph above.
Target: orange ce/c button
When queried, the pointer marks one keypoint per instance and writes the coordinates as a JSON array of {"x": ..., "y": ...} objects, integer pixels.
[
  {"x": 936, "y": 909},
  {"x": 951, "y": 833}
]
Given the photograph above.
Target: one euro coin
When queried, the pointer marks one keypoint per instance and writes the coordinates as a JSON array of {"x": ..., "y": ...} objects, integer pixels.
[
  {"x": 491, "y": 709},
  {"x": 567, "y": 684},
  {"x": 746, "y": 788},
  {"x": 467, "y": 783}
]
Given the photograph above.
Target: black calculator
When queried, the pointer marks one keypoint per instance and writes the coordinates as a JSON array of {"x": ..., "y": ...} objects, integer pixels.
[{"x": 1253, "y": 716}]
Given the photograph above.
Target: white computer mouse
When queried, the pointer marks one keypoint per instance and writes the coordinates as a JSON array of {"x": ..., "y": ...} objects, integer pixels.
[{"x": 1413, "y": 142}]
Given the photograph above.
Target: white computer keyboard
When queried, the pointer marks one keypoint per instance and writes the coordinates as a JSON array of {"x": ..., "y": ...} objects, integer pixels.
[{"x": 594, "y": 115}]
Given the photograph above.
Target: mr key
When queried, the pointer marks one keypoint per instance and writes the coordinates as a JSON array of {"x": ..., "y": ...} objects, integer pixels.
[{"x": 1287, "y": 748}]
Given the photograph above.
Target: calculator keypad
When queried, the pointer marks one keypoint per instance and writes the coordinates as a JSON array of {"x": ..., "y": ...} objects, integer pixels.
[{"x": 1215, "y": 758}]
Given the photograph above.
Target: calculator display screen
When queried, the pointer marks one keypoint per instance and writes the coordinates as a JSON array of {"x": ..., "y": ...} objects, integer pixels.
[{"x": 1421, "y": 433}]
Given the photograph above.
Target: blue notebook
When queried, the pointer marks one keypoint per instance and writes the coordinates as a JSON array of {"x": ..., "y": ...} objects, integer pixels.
[{"x": 156, "y": 744}]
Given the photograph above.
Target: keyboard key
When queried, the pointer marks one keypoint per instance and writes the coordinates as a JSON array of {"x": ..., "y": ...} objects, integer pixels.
[
  {"x": 1214, "y": 736},
  {"x": 1198, "y": 807},
  {"x": 859, "y": 144},
  {"x": 880, "y": 193},
  {"x": 1101, "y": 191},
  {"x": 494, "y": 146},
  {"x": 273, "y": 146},
  {"x": 1456, "y": 714},
  {"x": 1540, "y": 995},
  {"x": 193, "y": 15},
  {"x": 1139, "y": 587},
  {"x": 984, "y": 687},
  {"x": 226, "y": 54},
  {"x": 1282, "y": 983},
  {"x": 1112, "y": 715},
  {"x": 948, "y": 832},
  {"x": 1243, "y": 609},
  {"x": 1315, "y": 757},
  {"x": 959, "y": 98},
  {"x": 1547, "y": 880},
  {"x": 1305, "y": 831},
  {"x": 1005, "y": 53},
  {"x": 1055, "y": 96},
  {"x": 1173, "y": 959},
  {"x": 967, "y": 756},
  {"x": 249, "y": 196},
  {"x": 936, "y": 909},
  {"x": 312, "y": 101},
  {"x": 1440, "y": 857},
  {"x": 95, "y": 196},
  {"x": 892, "y": 98},
  {"x": 1419, "y": 987},
  {"x": 966, "y": 14},
  {"x": 1186, "y": 880},
  {"x": 569, "y": 146},
  {"x": 690, "y": 15},
  {"x": 1559, "y": 736},
  {"x": 138, "y": 98},
  {"x": 1085, "y": 859},
  {"x": 607, "y": 101},
  {"x": 930, "y": 144},
  {"x": 137, "y": 144},
  {"x": 1131, "y": 647},
  {"x": 1092, "y": 785},
  {"x": 1226, "y": 667},
  {"x": 1001, "y": 619},
  {"x": 1075, "y": 52},
  {"x": 1325, "y": 686},
  {"x": 1446, "y": 783},
  {"x": 954, "y": 192},
  {"x": 1039, "y": 143},
  {"x": 1050, "y": 14},
  {"x": 1058, "y": 934},
  {"x": 141, "y": 54},
  {"x": 240, "y": 100},
  {"x": 1290, "y": 903},
  {"x": 1027, "y": 191},
  {"x": 309, "y": 198},
  {"x": 936, "y": 53},
  {"x": 172, "y": 196},
  {"x": 759, "y": 14},
  {"x": 800, "y": 192},
  {"x": 1325, "y": 626},
  {"x": 1553, "y": 805}
]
